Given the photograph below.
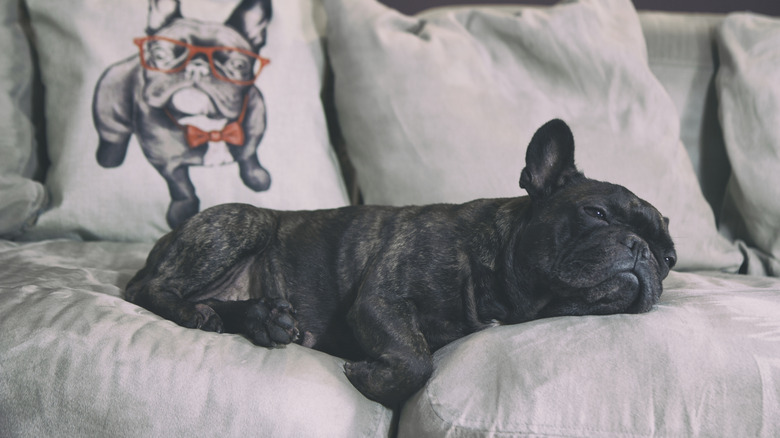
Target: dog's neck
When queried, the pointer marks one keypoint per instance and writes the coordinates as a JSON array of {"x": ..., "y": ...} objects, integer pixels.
[{"x": 512, "y": 295}]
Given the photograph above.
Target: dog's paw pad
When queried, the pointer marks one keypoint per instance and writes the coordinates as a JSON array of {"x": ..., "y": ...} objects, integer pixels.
[{"x": 271, "y": 323}]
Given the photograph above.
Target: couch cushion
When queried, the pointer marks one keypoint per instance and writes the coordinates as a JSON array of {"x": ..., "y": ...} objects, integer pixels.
[
  {"x": 705, "y": 362},
  {"x": 22, "y": 197},
  {"x": 124, "y": 197},
  {"x": 440, "y": 108},
  {"x": 749, "y": 92},
  {"x": 78, "y": 360}
]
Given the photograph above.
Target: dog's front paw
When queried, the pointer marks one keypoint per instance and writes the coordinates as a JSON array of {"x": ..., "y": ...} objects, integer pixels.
[
  {"x": 373, "y": 381},
  {"x": 270, "y": 323},
  {"x": 390, "y": 380},
  {"x": 255, "y": 176},
  {"x": 112, "y": 154}
]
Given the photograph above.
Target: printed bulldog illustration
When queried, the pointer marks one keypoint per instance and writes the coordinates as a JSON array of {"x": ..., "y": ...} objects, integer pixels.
[{"x": 189, "y": 96}]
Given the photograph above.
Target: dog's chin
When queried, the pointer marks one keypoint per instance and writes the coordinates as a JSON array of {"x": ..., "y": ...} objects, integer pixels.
[
  {"x": 627, "y": 291},
  {"x": 648, "y": 293}
]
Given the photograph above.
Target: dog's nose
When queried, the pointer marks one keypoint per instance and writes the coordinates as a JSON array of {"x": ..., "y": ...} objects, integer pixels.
[
  {"x": 638, "y": 247},
  {"x": 197, "y": 68}
]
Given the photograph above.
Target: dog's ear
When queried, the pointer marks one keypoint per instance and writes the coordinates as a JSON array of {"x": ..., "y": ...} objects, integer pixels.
[
  {"x": 161, "y": 13},
  {"x": 549, "y": 160},
  {"x": 251, "y": 19}
]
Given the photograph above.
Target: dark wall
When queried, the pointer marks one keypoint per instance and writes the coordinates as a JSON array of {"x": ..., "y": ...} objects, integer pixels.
[{"x": 770, "y": 7}]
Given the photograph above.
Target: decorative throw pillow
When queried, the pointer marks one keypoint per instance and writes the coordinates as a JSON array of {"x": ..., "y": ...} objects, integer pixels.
[
  {"x": 21, "y": 198},
  {"x": 439, "y": 108},
  {"x": 749, "y": 92},
  {"x": 159, "y": 109}
]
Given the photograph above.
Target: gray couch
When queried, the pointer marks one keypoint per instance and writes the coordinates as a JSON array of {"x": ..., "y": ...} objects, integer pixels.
[{"x": 78, "y": 360}]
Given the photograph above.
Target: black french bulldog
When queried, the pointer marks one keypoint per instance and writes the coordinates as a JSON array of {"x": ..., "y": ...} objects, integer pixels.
[
  {"x": 189, "y": 97},
  {"x": 387, "y": 286}
]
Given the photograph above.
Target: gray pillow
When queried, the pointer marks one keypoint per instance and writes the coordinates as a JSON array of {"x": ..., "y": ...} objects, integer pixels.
[
  {"x": 441, "y": 108},
  {"x": 748, "y": 84},
  {"x": 21, "y": 198},
  {"x": 91, "y": 59}
]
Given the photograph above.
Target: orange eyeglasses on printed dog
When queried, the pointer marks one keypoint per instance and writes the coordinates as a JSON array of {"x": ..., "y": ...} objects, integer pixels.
[{"x": 231, "y": 64}]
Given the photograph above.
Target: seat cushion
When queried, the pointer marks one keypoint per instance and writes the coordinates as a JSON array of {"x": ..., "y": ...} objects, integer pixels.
[
  {"x": 78, "y": 360},
  {"x": 704, "y": 362}
]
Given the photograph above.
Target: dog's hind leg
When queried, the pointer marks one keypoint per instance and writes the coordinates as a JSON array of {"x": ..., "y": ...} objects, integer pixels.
[
  {"x": 184, "y": 201},
  {"x": 198, "y": 261},
  {"x": 400, "y": 361},
  {"x": 169, "y": 304}
]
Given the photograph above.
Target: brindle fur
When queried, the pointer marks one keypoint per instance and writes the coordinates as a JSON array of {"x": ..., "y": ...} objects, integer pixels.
[{"x": 385, "y": 287}]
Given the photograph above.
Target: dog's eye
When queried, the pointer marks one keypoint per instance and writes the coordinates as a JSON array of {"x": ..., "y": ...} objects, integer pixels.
[
  {"x": 161, "y": 55},
  {"x": 596, "y": 212},
  {"x": 670, "y": 261}
]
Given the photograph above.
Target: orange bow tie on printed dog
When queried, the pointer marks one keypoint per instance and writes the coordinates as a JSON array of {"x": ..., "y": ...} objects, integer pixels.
[{"x": 232, "y": 134}]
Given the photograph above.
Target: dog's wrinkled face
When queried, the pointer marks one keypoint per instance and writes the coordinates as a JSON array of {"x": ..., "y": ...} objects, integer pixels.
[
  {"x": 597, "y": 248},
  {"x": 610, "y": 255},
  {"x": 202, "y": 68},
  {"x": 195, "y": 89}
]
